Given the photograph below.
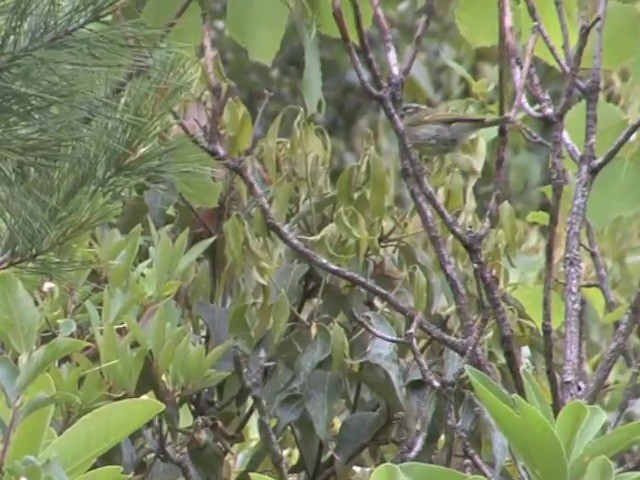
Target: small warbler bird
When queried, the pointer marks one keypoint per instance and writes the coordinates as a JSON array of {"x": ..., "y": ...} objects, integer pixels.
[{"x": 434, "y": 133}]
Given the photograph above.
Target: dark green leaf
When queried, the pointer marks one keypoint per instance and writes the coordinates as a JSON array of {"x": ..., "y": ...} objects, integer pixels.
[
  {"x": 355, "y": 432},
  {"x": 323, "y": 389}
]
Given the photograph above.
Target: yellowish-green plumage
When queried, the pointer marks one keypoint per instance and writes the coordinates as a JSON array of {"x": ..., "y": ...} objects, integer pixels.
[{"x": 436, "y": 133}]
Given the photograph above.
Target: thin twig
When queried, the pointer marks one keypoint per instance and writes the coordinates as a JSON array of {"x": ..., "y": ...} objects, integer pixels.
[
  {"x": 423, "y": 25},
  {"x": 629, "y": 392},
  {"x": 355, "y": 60},
  {"x": 620, "y": 142},
  {"x": 252, "y": 381},
  {"x": 374, "y": 331},
  {"x": 535, "y": 16},
  {"x": 615, "y": 349},
  {"x": 564, "y": 29},
  {"x": 410, "y": 338},
  {"x": 528, "y": 57},
  {"x": 365, "y": 46}
]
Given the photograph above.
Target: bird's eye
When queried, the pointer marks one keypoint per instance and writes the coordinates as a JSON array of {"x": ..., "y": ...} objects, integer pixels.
[{"x": 410, "y": 109}]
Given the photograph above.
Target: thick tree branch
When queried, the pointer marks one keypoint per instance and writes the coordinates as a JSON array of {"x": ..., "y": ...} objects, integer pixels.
[{"x": 573, "y": 263}]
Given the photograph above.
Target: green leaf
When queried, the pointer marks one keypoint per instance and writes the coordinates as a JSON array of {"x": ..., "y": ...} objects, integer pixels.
[
  {"x": 501, "y": 408},
  {"x": 621, "y": 22},
  {"x": 600, "y": 468},
  {"x": 614, "y": 193},
  {"x": 288, "y": 409},
  {"x": 29, "y": 435},
  {"x": 95, "y": 433},
  {"x": 45, "y": 357},
  {"x": 569, "y": 423},
  {"x": 536, "y": 397},
  {"x": 615, "y": 314},
  {"x": 258, "y": 26},
  {"x": 280, "y": 316},
  {"x": 419, "y": 471},
  {"x": 596, "y": 418},
  {"x": 196, "y": 184},
  {"x": 530, "y": 296},
  {"x": 259, "y": 476},
  {"x": 188, "y": 28},
  {"x": 387, "y": 471},
  {"x": 547, "y": 455},
  {"x": 478, "y": 22},
  {"x": 419, "y": 290},
  {"x": 192, "y": 255},
  {"x": 112, "y": 472},
  {"x": 378, "y": 185},
  {"x": 312, "y": 74},
  {"x": 239, "y": 127},
  {"x": 608, "y": 445},
  {"x": 119, "y": 253},
  {"x": 8, "y": 377},
  {"x": 539, "y": 217},
  {"x": 323, "y": 389},
  {"x": 339, "y": 348},
  {"x": 323, "y": 12},
  {"x": 356, "y": 430},
  {"x": 19, "y": 317},
  {"x": 483, "y": 381},
  {"x": 314, "y": 353},
  {"x": 596, "y": 299}
]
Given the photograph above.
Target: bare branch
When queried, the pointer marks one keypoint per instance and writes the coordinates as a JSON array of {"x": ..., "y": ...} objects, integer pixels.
[
  {"x": 355, "y": 60},
  {"x": 423, "y": 25},
  {"x": 573, "y": 263},
  {"x": 494, "y": 299},
  {"x": 528, "y": 57},
  {"x": 533, "y": 13},
  {"x": 410, "y": 339},
  {"x": 620, "y": 142},
  {"x": 369, "y": 59},
  {"x": 564, "y": 29},
  {"x": 252, "y": 381},
  {"x": 627, "y": 324},
  {"x": 600, "y": 268},
  {"x": 374, "y": 331},
  {"x": 572, "y": 75},
  {"x": 558, "y": 181},
  {"x": 395, "y": 77}
]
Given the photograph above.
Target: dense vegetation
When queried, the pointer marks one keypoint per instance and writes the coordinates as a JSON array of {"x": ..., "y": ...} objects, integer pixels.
[{"x": 220, "y": 257}]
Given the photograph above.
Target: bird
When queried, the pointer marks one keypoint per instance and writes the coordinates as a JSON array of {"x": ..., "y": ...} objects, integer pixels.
[{"x": 436, "y": 133}]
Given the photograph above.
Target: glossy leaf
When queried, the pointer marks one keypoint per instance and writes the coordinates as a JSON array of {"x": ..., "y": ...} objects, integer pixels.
[
  {"x": 323, "y": 390},
  {"x": 95, "y": 433},
  {"x": 569, "y": 424},
  {"x": 28, "y": 437},
  {"x": 19, "y": 318},
  {"x": 608, "y": 445},
  {"x": 45, "y": 357},
  {"x": 600, "y": 468},
  {"x": 356, "y": 431}
]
